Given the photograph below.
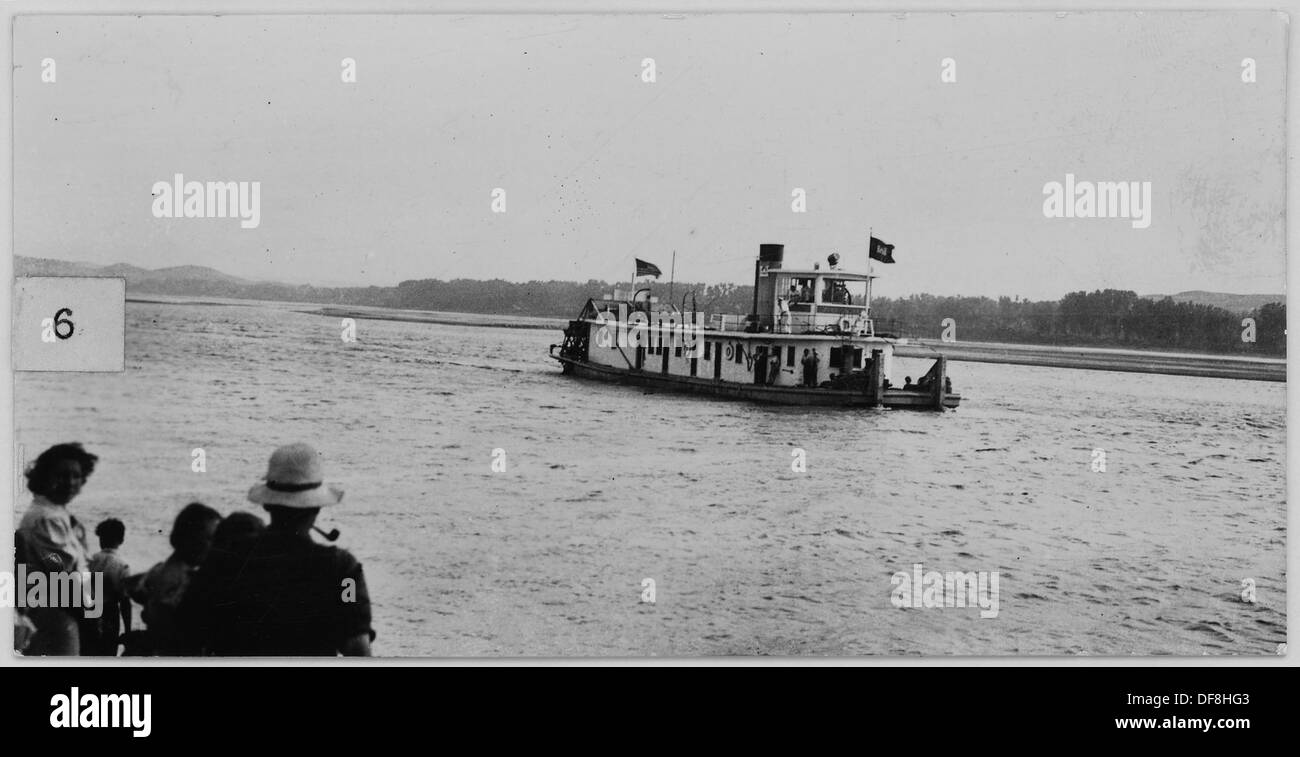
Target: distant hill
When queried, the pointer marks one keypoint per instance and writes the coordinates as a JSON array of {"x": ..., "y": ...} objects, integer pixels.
[
  {"x": 1233, "y": 303},
  {"x": 135, "y": 276},
  {"x": 196, "y": 272},
  {"x": 24, "y": 266}
]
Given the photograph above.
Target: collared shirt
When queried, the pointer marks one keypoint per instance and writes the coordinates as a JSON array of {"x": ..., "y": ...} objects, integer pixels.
[{"x": 53, "y": 543}]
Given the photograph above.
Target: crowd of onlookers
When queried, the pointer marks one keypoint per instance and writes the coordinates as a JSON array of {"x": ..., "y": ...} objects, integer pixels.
[{"x": 233, "y": 585}]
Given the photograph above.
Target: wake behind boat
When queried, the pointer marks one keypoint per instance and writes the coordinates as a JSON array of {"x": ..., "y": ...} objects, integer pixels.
[{"x": 809, "y": 340}]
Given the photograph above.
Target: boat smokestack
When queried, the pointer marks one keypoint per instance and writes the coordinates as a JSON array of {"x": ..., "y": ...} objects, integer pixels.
[{"x": 772, "y": 255}]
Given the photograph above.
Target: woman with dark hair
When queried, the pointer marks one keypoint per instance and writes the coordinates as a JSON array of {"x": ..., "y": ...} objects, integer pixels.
[
  {"x": 53, "y": 540},
  {"x": 163, "y": 587},
  {"x": 235, "y": 536}
]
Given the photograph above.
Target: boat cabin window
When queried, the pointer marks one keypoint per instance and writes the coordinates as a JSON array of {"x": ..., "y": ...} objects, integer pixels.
[
  {"x": 841, "y": 292},
  {"x": 840, "y": 354},
  {"x": 800, "y": 290}
]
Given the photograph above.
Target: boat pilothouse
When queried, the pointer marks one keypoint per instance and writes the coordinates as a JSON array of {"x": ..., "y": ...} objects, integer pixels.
[
  {"x": 792, "y": 301},
  {"x": 809, "y": 340}
]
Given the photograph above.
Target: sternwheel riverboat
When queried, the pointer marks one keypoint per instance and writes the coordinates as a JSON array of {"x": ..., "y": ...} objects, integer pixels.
[{"x": 809, "y": 340}]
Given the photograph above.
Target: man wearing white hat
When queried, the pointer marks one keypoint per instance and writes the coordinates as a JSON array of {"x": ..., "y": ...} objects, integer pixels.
[{"x": 290, "y": 596}]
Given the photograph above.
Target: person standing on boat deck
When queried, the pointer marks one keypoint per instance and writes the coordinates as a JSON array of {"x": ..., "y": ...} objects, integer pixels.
[
  {"x": 289, "y": 596},
  {"x": 806, "y": 362},
  {"x": 54, "y": 542},
  {"x": 816, "y": 367}
]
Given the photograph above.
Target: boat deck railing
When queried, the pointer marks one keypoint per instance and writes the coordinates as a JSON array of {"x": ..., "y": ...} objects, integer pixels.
[{"x": 796, "y": 323}]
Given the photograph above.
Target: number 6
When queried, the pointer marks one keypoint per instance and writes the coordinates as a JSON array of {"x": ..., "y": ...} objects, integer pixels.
[{"x": 59, "y": 320}]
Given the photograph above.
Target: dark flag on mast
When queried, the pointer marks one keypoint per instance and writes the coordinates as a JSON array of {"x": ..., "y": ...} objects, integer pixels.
[
  {"x": 647, "y": 269},
  {"x": 881, "y": 251}
]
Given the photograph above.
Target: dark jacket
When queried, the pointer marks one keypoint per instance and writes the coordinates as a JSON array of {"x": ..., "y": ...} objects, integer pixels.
[{"x": 287, "y": 596}]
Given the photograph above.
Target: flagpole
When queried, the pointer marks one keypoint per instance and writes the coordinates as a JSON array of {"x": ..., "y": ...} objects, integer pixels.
[
  {"x": 869, "y": 238},
  {"x": 672, "y": 277},
  {"x": 868, "y": 303}
]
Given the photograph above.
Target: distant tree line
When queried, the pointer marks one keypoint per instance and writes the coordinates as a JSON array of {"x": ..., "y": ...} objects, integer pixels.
[
  {"x": 1108, "y": 317},
  {"x": 1103, "y": 318}
]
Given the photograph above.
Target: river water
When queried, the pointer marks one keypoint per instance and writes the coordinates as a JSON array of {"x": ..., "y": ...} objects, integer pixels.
[{"x": 605, "y": 486}]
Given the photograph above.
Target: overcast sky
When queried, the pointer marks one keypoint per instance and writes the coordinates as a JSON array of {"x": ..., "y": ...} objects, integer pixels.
[{"x": 390, "y": 178}]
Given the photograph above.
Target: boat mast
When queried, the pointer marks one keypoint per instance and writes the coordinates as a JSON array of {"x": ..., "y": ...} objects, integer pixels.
[{"x": 672, "y": 276}]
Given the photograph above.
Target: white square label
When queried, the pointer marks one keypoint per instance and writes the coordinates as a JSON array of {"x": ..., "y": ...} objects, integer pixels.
[{"x": 69, "y": 323}]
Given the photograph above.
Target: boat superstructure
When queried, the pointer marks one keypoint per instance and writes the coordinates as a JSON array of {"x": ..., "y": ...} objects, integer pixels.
[{"x": 809, "y": 340}]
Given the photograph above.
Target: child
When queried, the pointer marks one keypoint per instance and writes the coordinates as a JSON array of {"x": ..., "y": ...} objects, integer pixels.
[
  {"x": 162, "y": 588},
  {"x": 115, "y": 618}
]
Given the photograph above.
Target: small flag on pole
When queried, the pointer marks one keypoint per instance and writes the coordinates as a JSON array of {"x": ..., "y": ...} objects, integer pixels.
[
  {"x": 881, "y": 251},
  {"x": 647, "y": 269}
]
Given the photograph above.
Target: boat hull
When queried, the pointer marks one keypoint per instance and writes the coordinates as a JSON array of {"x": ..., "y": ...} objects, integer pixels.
[{"x": 780, "y": 395}]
